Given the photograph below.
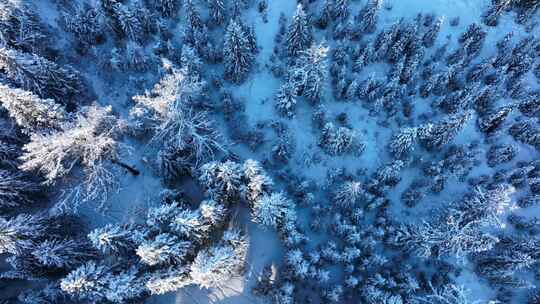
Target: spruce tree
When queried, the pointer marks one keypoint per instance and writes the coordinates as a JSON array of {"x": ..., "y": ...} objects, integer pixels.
[
  {"x": 236, "y": 53},
  {"x": 435, "y": 136},
  {"x": 299, "y": 36},
  {"x": 41, "y": 76},
  {"x": 217, "y": 11},
  {"x": 31, "y": 113}
]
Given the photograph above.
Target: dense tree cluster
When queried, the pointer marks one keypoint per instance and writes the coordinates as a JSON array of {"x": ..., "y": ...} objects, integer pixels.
[{"x": 394, "y": 159}]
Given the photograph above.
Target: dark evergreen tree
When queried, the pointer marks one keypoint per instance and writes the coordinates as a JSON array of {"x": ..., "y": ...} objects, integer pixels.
[
  {"x": 368, "y": 16},
  {"x": 217, "y": 11}
]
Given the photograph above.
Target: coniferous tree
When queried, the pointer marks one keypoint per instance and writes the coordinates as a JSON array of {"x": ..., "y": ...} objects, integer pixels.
[
  {"x": 434, "y": 136},
  {"x": 299, "y": 36},
  {"x": 30, "y": 112},
  {"x": 498, "y": 7},
  {"x": 237, "y": 54},
  {"x": 217, "y": 264},
  {"x": 368, "y": 16},
  {"x": 20, "y": 27},
  {"x": 428, "y": 40},
  {"x": 272, "y": 210},
  {"x": 286, "y": 100},
  {"x": 309, "y": 72},
  {"x": 217, "y": 11},
  {"x": 88, "y": 282},
  {"x": 90, "y": 141},
  {"x": 85, "y": 23},
  {"x": 167, "y": 8},
  {"x": 341, "y": 10},
  {"x": 41, "y": 76},
  {"x": 163, "y": 249},
  {"x": 16, "y": 189},
  {"x": 19, "y": 233}
]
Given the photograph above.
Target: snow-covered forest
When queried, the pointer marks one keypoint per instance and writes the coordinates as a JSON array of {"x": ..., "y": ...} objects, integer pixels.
[{"x": 270, "y": 151}]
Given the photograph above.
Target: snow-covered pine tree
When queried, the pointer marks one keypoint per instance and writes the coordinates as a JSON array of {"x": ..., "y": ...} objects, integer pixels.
[
  {"x": 285, "y": 100},
  {"x": 113, "y": 239},
  {"x": 434, "y": 136},
  {"x": 217, "y": 11},
  {"x": 222, "y": 181},
  {"x": 258, "y": 183},
  {"x": 341, "y": 10},
  {"x": 498, "y": 7},
  {"x": 499, "y": 154},
  {"x": 31, "y": 113},
  {"x": 215, "y": 265},
  {"x": 20, "y": 27},
  {"x": 492, "y": 122},
  {"x": 19, "y": 233},
  {"x": 41, "y": 76},
  {"x": 163, "y": 249},
  {"x": 193, "y": 15},
  {"x": 526, "y": 131},
  {"x": 327, "y": 14},
  {"x": 428, "y": 40},
  {"x": 272, "y": 210},
  {"x": 368, "y": 16},
  {"x": 89, "y": 141},
  {"x": 129, "y": 21},
  {"x": 299, "y": 36},
  {"x": 125, "y": 286},
  {"x": 167, "y": 8},
  {"x": 63, "y": 254},
  {"x": 349, "y": 194},
  {"x": 309, "y": 72},
  {"x": 168, "y": 280},
  {"x": 340, "y": 140},
  {"x": 237, "y": 53},
  {"x": 88, "y": 282},
  {"x": 16, "y": 189},
  {"x": 85, "y": 23},
  {"x": 403, "y": 142}
]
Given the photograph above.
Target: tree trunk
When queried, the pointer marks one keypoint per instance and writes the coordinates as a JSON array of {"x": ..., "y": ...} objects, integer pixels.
[{"x": 131, "y": 169}]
